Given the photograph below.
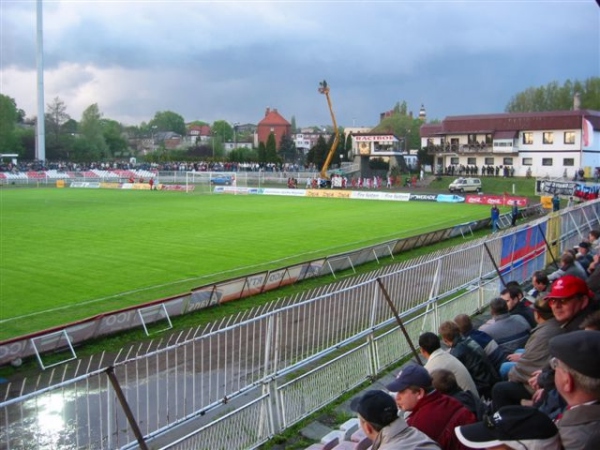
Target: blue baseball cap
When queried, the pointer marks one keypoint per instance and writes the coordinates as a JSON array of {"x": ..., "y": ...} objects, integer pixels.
[{"x": 412, "y": 375}]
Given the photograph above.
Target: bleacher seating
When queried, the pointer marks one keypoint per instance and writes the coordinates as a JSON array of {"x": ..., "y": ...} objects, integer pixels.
[
  {"x": 36, "y": 175},
  {"x": 89, "y": 174},
  {"x": 105, "y": 174}
]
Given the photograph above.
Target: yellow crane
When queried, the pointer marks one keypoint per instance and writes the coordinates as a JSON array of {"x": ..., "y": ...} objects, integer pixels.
[{"x": 324, "y": 89}]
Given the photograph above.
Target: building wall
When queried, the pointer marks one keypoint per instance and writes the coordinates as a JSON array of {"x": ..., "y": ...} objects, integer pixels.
[{"x": 563, "y": 156}]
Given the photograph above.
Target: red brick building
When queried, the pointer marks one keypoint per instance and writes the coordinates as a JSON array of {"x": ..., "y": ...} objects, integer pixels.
[{"x": 273, "y": 122}]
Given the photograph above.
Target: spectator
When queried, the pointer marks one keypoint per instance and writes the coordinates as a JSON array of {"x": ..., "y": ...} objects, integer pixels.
[
  {"x": 437, "y": 358},
  {"x": 570, "y": 301},
  {"x": 555, "y": 202},
  {"x": 467, "y": 351},
  {"x": 594, "y": 240},
  {"x": 522, "y": 365},
  {"x": 514, "y": 213},
  {"x": 591, "y": 322},
  {"x": 444, "y": 381},
  {"x": 512, "y": 427},
  {"x": 513, "y": 296},
  {"x": 568, "y": 266},
  {"x": 495, "y": 217},
  {"x": 378, "y": 417},
  {"x": 540, "y": 284},
  {"x": 584, "y": 257},
  {"x": 510, "y": 332},
  {"x": 433, "y": 413},
  {"x": 576, "y": 360},
  {"x": 491, "y": 348}
]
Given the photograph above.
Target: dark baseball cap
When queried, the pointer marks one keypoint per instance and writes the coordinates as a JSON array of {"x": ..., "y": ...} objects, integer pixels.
[
  {"x": 376, "y": 407},
  {"x": 512, "y": 424},
  {"x": 411, "y": 375},
  {"x": 580, "y": 350}
]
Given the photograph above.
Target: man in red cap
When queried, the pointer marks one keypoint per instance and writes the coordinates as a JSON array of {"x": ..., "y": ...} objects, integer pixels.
[{"x": 570, "y": 301}]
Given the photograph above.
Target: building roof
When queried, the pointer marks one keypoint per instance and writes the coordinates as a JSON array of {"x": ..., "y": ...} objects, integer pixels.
[
  {"x": 512, "y": 122},
  {"x": 272, "y": 117}
]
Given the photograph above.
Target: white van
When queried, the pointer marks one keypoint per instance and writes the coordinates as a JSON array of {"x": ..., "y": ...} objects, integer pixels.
[{"x": 465, "y": 185}]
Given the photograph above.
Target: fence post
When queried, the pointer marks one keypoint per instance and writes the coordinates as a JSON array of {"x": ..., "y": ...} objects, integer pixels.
[{"x": 110, "y": 371}]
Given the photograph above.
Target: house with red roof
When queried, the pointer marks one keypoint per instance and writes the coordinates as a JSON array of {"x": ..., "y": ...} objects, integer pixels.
[
  {"x": 540, "y": 144},
  {"x": 273, "y": 122}
]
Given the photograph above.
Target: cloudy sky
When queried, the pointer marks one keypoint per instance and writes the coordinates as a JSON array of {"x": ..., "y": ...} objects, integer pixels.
[{"x": 230, "y": 60}]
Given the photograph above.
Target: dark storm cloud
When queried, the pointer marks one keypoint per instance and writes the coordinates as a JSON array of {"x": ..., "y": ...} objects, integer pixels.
[{"x": 231, "y": 60}]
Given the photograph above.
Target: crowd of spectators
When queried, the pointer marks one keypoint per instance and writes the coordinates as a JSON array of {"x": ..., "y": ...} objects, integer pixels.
[
  {"x": 174, "y": 166},
  {"x": 529, "y": 378}
]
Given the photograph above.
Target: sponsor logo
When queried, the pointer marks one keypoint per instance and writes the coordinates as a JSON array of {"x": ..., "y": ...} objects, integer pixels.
[{"x": 424, "y": 197}]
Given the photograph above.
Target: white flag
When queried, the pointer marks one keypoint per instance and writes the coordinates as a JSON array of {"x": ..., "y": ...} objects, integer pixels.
[{"x": 588, "y": 133}]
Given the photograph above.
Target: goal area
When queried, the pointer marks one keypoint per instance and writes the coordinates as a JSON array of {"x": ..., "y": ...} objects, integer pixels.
[{"x": 205, "y": 182}]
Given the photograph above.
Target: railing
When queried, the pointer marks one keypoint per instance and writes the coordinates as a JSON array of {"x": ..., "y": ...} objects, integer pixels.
[{"x": 236, "y": 383}]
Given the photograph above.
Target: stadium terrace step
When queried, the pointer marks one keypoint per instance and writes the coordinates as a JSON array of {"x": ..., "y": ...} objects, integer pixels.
[{"x": 36, "y": 175}]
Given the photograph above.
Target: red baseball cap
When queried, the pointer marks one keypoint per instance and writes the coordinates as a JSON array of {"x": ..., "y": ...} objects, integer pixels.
[{"x": 569, "y": 286}]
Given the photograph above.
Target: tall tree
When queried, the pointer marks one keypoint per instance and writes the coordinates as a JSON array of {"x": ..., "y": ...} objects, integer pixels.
[
  {"x": 56, "y": 118},
  {"x": 262, "y": 152},
  {"x": 168, "y": 121},
  {"x": 318, "y": 153},
  {"x": 271, "y": 150},
  {"x": 223, "y": 129},
  {"x": 287, "y": 149},
  {"x": 293, "y": 128},
  {"x": 114, "y": 136},
  {"x": 554, "y": 97},
  {"x": 9, "y": 117},
  {"x": 91, "y": 144}
]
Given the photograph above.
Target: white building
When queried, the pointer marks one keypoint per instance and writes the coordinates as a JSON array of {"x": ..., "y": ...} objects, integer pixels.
[{"x": 549, "y": 144}]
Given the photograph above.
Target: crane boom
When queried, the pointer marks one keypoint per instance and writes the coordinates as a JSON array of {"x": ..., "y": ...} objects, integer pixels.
[{"x": 324, "y": 89}]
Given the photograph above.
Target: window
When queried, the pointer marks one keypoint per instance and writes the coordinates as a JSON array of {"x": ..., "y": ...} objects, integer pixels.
[
  {"x": 471, "y": 161},
  {"x": 507, "y": 161},
  {"x": 548, "y": 138},
  {"x": 489, "y": 161},
  {"x": 546, "y": 161},
  {"x": 454, "y": 161},
  {"x": 527, "y": 162},
  {"x": 472, "y": 138},
  {"x": 429, "y": 142},
  {"x": 569, "y": 162},
  {"x": 569, "y": 137},
  {"x": 528, "y": 138},
  {"x": 488, "y": 138}
]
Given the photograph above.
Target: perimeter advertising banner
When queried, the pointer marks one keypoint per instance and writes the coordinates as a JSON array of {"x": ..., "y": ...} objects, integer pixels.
[{"x": 500, "y": 200}]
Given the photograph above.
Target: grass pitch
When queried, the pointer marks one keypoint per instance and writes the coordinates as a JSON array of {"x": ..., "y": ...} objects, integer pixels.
[{"x": 67, "y": 254}]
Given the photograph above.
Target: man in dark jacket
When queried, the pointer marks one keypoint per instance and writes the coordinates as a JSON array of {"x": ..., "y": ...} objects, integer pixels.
[
  {"x": 472, "y": 356},
  {"x": 576, "y": 360}
]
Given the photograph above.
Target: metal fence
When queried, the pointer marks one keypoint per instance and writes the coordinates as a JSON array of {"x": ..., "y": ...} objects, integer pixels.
[{"x": 236, "y": 383}]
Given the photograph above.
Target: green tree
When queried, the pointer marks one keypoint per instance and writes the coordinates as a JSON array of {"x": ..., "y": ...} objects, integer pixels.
[
  {"x": 293, "y": 128},
  {"x": 9, "y": 117},
  {"x": 554, "y": 97},
  {"x": 114, "y": 136},
  {"x": 57, "y": 144},
  {"x": 199, "y": 123},
  {"x": 271, "y": 150},
  {"x": 223, "y": 129},
  {"x": 168, "y": 121},
  {"x": 243, "y": 154},
  {"x": 262, "y": 152},
  {"x": 317, "y": 154},
  {"x": 287, "y": 149},
  {"x": 90, "y": 144}
]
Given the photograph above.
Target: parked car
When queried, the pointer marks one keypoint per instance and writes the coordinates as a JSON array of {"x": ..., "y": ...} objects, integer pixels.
[
  {"x": 225, "y": 180},
  {"x": 465, "y": 185}
]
